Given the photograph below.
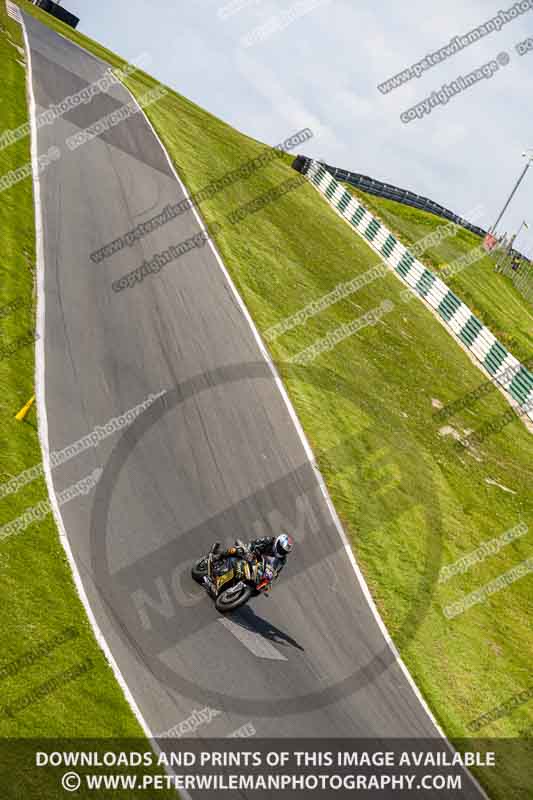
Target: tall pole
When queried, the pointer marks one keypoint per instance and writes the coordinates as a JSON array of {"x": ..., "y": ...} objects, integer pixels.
[{"x": 517, "y": 184}]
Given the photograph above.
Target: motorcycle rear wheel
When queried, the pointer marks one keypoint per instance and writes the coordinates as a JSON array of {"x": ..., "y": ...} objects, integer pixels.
[{"x": 229, "y": 600}]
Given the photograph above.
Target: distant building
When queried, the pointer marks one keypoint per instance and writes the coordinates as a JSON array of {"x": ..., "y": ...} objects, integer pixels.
[{"x": 58, "y": 11}]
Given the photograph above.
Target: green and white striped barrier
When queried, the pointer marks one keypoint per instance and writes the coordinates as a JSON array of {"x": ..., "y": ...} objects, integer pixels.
[{"x": 506, "y": 370}]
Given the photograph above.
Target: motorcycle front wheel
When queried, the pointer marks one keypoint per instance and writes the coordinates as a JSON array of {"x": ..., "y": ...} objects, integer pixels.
[
  {"x": 199, "y": 570},
  {"x": 232, "y": 598}
]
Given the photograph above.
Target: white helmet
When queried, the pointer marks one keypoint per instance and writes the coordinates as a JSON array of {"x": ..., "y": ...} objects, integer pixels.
[{"x": 283, "y": 545}]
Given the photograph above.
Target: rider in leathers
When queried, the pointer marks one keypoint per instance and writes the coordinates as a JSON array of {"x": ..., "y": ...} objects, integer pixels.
[{"x": 272, "y": 551}]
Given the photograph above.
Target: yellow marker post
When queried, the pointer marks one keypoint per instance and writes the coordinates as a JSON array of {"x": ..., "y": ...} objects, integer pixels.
[{"x": 21, "y": 415}]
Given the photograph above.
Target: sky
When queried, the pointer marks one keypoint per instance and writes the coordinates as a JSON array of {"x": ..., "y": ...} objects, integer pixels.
[{"x": 272, "y": 67}]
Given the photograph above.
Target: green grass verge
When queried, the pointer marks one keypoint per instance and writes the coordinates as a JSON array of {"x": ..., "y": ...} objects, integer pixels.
[
  {"x": 404, "y": 492},
  {"x": 490, "y": 295}
]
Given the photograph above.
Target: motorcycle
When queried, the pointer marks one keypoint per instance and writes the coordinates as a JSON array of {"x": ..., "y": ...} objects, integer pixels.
[{"x": 232, "y": 581}]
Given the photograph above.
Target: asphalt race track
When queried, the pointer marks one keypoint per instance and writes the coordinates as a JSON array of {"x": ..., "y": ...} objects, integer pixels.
[{"x": 216, "y": 457}]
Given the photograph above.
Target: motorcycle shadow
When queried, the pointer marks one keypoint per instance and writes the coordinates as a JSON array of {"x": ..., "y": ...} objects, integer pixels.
[{"x": 248, "y": 619}]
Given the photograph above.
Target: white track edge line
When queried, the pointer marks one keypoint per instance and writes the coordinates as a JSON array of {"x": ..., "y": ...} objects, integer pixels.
[
  {"x": 41, "y": 400},
  {"x": 310, "y": 455},
  {"x": 43, "y": 423}
]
